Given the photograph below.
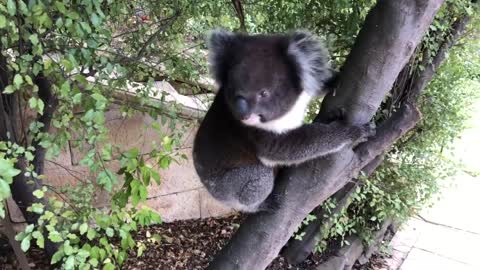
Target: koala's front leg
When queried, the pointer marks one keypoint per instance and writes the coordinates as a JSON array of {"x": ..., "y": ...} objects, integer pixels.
[{"x": 309, "y": 142}]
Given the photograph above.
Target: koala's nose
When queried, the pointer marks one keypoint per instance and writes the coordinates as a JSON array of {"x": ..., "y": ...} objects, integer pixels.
[{"x": 241, "y": 107}]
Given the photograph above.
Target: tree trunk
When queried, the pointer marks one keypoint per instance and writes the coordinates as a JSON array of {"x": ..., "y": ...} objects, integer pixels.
[
  {"x": 390, "y": 34},
  {"x": 297, "y": 251},
  {"x": 12, "y": 124}
]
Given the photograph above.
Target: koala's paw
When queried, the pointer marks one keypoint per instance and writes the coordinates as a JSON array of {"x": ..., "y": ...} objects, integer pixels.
[
  {"x": 365, "y": 131},
  {"x": 271, "y": 204}
]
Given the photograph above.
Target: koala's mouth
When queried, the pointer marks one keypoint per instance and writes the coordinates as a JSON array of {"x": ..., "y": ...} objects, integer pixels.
[{"x": 253, "y": 119}]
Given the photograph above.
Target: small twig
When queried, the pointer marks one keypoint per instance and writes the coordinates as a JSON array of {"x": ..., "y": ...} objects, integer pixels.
[
  {"x": 59, "y": 194},
  {"x": 239, "y": 10},
  {"x": 169, "y": 21},
  {"x": 69, "y": 171}
]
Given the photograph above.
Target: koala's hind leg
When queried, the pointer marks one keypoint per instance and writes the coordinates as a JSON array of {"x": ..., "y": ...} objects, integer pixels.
[{"x": 244, "y": 188}]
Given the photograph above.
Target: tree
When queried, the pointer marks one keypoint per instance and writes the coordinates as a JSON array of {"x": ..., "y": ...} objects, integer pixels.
[
  {"x": 385, "y": 44},
  {"x": 56, "y": 57}
]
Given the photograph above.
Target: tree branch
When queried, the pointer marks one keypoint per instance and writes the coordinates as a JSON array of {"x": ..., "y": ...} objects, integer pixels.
[
  {"x": 421, "y": 81},
  {"x": 168, "y": 21},
  {"x": 296, "y": 251},
  {"x": 239, "y": 10}
]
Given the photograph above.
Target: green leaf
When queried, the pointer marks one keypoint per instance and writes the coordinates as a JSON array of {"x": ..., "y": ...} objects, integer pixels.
[
  {"x": 157, "y": 238},
  {"x": 165, "y": 162},
  {"x": 96, "y": 21},
  {"x": 91, "y": 234},
  {"x": 70, "y": 262},
  {"x": 4, "y": 190},
  {"x": 7, "y": 170},
  {"x": 29, "y": 156},
  {"x": 32, "y": 102},
  {"x": 41, "y": 242},
  {"x": 93, "y": 262},
  {"x": 34, "y": 39},
  {"x": 95, "y": 252},
  {"x": 83, "y": 228},
  {"x": 83, "y": 254},
  {"x": 3, "y": 21},
  {"x": 9, "y": 89},
  {"x": 101, "y": 101},
  {"x": 23, "y": 8},
  {"x": 37, "y": 208},
  {"x": 77, "y": 98},
  {"x": 60, "y": 6},
  {"x": 45, "y": 20},
  {"x": 107, "y": 179},
  {"x": 11, "y": 7},
  {"x": 38, "y": 193},
  {"x": 57, "y": 256},
  {"x": 55, "y": 237},
  {"x": 17, "y": 80},
  {"x": 36, "y": 104},
  {"x": 156, "y": 176},
  {"x": 109, "y": 231},
  {"x": 86, "y": 27},
  {"x": 140, "y": 250},
  {"x": 40, "y": 106},
  {"x": 67, "y": 248},
  {"x": 109, "y": 266},
  {"x": 40, "y": 239},
  {"x": 25, "y": 244},
  {"x": 29, "y": 228},
  {"x": 28, "y": 79},
  {"x": 65, "y": 88},
  {"x": 104, "y": 242}
]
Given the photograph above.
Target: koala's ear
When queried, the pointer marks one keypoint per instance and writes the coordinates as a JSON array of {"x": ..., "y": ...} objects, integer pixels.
[
  {"x": 311, "y": 58},
  {"x": 220, "y": 43}
]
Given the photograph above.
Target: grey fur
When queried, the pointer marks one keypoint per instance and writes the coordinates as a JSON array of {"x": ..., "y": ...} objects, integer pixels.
[{"x": 235, "y": 159}]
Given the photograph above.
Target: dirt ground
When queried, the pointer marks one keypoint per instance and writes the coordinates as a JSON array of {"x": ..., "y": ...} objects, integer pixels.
[{"x": 187, "y": 244}]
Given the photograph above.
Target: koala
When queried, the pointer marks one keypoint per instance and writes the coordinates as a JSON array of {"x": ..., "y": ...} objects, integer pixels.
[{"x": 255, "y": 123}]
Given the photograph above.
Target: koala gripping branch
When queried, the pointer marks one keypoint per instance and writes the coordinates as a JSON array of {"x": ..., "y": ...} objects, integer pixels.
[{"x": 390, "y": 34}]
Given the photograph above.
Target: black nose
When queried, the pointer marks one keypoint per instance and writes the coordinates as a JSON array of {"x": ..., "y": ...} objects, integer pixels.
[{"x": 241, "y": 107}]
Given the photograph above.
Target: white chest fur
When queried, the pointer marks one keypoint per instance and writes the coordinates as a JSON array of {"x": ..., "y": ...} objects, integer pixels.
[{"x": 290, "y": 120}]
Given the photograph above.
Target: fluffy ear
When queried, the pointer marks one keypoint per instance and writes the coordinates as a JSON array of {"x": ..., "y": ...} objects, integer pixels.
[
  {"x": 219, "y": 43},
  {"x": 312, "y": 60}
]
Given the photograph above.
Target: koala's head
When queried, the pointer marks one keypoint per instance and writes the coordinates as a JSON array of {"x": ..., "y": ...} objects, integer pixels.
[{"x": 268, "y": 80}]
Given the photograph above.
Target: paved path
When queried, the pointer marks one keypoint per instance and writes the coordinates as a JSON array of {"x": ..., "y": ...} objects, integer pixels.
[{"x": 447, "y": 236}]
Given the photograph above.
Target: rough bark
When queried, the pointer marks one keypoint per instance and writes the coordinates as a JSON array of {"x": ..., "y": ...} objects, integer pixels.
[
  {"x": 403, "y": 120},
  {"x": 10, "y": 232},
  {"x": 390, "y": 34},
  {"x": 297, "y": 251},
  {"x": 12, "y": 124},
  {"x": 346, "y": 256}
]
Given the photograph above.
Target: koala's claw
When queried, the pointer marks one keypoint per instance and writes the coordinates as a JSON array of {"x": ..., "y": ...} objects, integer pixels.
[
  {"x": 366, "y": 131},
  {"x": 369, "y": 129}
]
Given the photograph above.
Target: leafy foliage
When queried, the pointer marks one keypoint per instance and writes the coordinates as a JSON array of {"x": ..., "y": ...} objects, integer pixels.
[{"x": 83, "y": 54}]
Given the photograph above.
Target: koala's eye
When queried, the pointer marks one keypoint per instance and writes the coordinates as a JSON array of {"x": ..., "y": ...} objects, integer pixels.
[{"x": 264, "y": 94}]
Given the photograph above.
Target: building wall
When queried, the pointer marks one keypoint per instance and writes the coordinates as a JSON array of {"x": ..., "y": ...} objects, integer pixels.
[{"x": 180, "y": 195}]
